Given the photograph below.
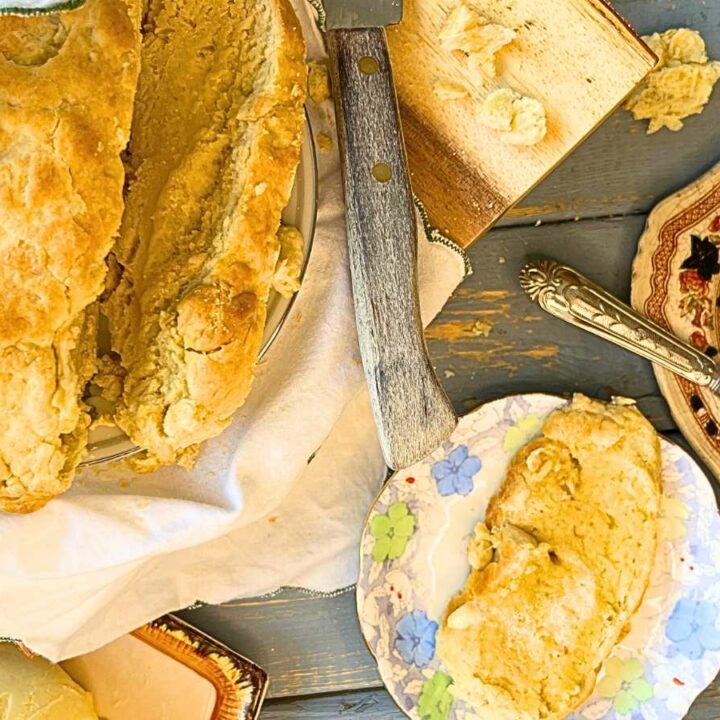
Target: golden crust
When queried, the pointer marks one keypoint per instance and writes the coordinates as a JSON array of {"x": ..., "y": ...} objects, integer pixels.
[
  {"x": 198, "y": 246},
  {"x": 64, "y": 123},
  {"x": 66, "y": 89},
  {"x": 574, "y": 532}
]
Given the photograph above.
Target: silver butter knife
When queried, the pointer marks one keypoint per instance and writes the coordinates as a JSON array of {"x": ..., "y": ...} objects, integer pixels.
[
  {"x": 570, "y": 296},
  {"x": 412, "y": 412}
]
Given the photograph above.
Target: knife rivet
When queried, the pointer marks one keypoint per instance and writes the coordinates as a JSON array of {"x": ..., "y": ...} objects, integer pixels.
[
  {"x": 368, "y": 65},
  {"x": 381, "y": 172}
]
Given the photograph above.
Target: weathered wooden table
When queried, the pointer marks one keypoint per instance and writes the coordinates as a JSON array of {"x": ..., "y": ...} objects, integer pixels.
[{"x": 589, "y": 213}]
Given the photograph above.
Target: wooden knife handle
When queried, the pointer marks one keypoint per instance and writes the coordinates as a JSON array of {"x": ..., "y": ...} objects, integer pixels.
[{"x": 412, "y": 413}]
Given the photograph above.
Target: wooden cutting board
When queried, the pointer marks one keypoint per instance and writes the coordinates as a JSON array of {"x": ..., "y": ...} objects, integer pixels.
[{"x": 578, "y": 57}]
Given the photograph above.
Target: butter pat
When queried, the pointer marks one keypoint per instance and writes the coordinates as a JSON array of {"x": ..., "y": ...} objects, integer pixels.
[
  {"x": 681, "y": 83},
  {"x": 469, "y": 33},
  {"x": 518, "y": 119},
  {"x": 35, "y": 689}
]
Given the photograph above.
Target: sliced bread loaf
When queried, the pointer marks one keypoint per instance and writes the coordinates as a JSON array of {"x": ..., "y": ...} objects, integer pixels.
[
  {"x": 559, "y": 566},
  {"x": 212, "y": 157},
  {"x": 66, "y": 92}
]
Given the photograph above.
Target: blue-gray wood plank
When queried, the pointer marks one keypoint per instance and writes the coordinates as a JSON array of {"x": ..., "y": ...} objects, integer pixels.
[{"x": 311, "y": 647}]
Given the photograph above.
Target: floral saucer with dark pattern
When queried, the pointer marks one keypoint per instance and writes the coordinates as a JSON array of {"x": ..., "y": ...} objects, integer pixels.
[{"x": 676, "y": 283}]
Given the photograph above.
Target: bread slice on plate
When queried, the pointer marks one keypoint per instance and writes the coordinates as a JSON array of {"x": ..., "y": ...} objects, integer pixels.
[
  {"x": 215, "y": 145},
  {"x": 67, "y": 83},
  {"x": 560, "y": 564}
]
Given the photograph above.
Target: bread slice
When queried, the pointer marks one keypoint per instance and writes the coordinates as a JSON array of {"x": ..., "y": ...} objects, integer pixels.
[
  {"x": 214, "y": 148},
  {"x": 559, "y": 567},
  {"x": 66, "y": 91}
]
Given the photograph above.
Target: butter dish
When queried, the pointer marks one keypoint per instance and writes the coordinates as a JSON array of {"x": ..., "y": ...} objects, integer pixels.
[{"x": 169, "y": 670}]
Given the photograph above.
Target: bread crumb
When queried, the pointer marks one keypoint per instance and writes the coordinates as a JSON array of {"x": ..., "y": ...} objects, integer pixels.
[
  {"x": 142, "y": 462},
  {"x": 480, "y": 548},
  {"x": 482, "y": 328},
  {"x": 467, "y": 32},
  {"x": 519, "y": 120},
  {"x": 104, "y": 390},
  {"x": 290, "y": 261},
  {"x": 681, "y": 83},
  {"x": 318, "y": 82},
  {"x": 450, "y": 90}
]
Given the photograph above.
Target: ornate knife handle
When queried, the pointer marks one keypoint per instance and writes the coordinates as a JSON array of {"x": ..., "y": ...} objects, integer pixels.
[{"x": 566, "y": 294}]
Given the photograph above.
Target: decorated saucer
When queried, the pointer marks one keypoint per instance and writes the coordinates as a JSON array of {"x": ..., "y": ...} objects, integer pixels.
[
  {"x": 413, "y": 560},
  {"x": 676, "y": 283}
]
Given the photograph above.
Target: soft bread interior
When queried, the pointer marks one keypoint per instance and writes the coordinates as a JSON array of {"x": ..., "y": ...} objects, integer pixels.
[
  {"x": 559, "y": 566},
  {"x": 212, "y": 156}
]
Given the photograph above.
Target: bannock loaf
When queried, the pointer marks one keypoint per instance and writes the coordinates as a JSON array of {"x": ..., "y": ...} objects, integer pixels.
[
  {"x": 67, "y": 83},
  {"x": 558, "y": 567},
  {"x": 214, "y": 148}
]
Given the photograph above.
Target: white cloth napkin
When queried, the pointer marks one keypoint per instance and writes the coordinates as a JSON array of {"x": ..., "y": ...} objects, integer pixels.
[{"x": 278, "y": 499}]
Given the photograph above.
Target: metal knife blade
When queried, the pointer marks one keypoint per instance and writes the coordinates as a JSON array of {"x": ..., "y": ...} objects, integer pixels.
[{"x": 351, "y": 14}]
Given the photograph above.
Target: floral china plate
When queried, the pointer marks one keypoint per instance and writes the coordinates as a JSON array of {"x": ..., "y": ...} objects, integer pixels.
[
  {"x": 676, "y": 283},
  {"x": 413, "y": 560}
]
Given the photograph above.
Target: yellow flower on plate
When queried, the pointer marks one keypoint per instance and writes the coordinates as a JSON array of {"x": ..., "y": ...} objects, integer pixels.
[
  {"x": 624, "y": 683},
  {"x": 524, "y": 430},
  {"x": 673, "y": 518}
]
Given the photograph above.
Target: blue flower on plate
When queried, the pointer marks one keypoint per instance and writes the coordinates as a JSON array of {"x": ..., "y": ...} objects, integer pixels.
[
  {"x": 416, "y": 638},
  {"x": 454, "y": 475},
  {"x": 692, "y": 627}
]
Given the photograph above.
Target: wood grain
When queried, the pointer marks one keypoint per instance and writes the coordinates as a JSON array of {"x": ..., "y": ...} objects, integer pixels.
[
  {"x": 412, "y": 413},
  {"x": 376, "y": 704},
  {"x": 491, "y": 340},
  {"x": 576, "y": 56},
  {"x": 306, "y": 644},
  {"x": 373, "y": 704},
  {"x": 619, "y": 169}
]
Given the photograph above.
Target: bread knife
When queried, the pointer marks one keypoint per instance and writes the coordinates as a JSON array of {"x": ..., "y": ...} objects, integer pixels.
[
  {"x": 412, "y": 412},
  {"x": 568, "y": 295}
]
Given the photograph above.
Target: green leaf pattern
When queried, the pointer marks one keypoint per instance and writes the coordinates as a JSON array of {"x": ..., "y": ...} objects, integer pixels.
[
  {"x": 435, "y": 699},
  {"x": 624, "y": 683},
  {"x": 391, "y": 532}
]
